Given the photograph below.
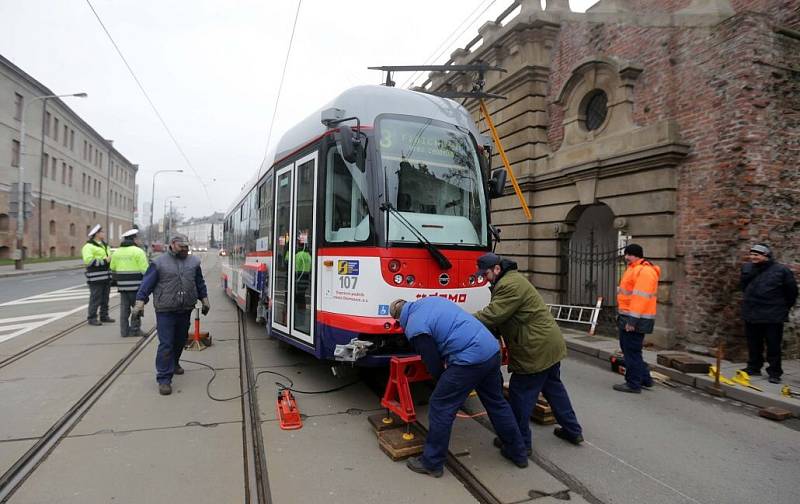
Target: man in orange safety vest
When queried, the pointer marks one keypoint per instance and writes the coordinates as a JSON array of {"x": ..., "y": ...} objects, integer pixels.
[{"x": 636, "y": 302}]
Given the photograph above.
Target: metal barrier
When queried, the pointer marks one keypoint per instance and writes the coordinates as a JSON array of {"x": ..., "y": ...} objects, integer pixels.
[{"x": 578, "y": 314}]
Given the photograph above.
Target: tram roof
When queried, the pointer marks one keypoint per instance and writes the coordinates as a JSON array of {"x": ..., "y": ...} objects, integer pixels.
[{"x": 366, "y": 103}]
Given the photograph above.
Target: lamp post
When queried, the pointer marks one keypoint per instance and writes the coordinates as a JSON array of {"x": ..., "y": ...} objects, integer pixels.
[
  {"x": 167, "y": 229},
  {"x": 153, "y": 199},
  {"x": 20, "y": 262}
]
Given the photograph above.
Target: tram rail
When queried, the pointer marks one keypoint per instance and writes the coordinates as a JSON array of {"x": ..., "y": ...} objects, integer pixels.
[{"x": 15, "y": 476}]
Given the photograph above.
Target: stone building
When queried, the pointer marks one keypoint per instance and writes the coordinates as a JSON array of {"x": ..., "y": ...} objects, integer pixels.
[
  {"x": 203, "y": 231},
  {"x": 673, "y": 123},
  {"x": 78, "y": 178}
]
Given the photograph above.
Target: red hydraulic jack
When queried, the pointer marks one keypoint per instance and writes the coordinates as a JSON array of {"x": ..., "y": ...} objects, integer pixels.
[
  {"x": 397, "y": 397},
  {"x": 286, "y": 409}
]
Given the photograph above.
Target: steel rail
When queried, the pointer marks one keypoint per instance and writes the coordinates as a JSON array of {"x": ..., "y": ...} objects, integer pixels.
[
  {"x": 12, "y": 479},
  {"x": 36, "y": 346},
  {"x": 255, "y": 466}
]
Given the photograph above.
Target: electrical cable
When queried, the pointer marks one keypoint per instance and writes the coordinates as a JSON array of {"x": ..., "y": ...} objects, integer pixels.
[
  {"x": 281, "y": 386},
  {"x": 414, "y": 76},
  {"x": 150, "y": 101},
  {"x": 283, "y": 74}
]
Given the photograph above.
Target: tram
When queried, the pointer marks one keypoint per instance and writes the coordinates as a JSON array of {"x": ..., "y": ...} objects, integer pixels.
[{"x": 382, "y": 194}]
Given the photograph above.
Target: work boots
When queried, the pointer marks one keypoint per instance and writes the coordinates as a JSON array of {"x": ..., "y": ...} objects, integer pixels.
[
  {"x": 178, "y": 369},
  {"x": 107, "y": 320},
  {"x": 164, "y": 388},
  {"x": 94, "y": 322}
]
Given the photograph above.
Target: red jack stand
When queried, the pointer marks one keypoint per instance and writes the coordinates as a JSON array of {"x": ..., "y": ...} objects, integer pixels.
[
  {"x": 287, "y": 412},
  {"x": 199, "y": 340}
]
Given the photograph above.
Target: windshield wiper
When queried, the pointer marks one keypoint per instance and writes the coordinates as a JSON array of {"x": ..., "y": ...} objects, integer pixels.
[{"x": 443, "y": 261}]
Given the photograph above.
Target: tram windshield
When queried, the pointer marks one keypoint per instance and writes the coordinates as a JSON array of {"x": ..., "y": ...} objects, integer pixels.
[{"x": 433, "y": 179}]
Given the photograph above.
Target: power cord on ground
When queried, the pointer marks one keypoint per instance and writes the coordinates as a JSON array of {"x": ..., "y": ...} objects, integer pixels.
[{"x": 281, "y": 386}]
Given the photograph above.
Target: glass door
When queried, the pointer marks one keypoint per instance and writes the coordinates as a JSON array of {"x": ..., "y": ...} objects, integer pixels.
[
  {"x": 282, "y": 249},
  {"x": 303, "y": 248}
]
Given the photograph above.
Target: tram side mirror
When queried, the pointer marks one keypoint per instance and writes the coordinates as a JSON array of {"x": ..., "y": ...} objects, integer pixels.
[
  {"x": 349, "y": 147},
  {"x": 497, "y": 183}
]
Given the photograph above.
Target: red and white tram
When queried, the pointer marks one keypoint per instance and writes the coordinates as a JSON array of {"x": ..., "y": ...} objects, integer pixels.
[{"x": 382, "y": 194}]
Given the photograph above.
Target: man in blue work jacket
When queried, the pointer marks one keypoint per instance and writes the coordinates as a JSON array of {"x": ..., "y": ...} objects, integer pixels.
[
  {"x": 461, "y": 355},
  {"x": 176, "y": 282}
]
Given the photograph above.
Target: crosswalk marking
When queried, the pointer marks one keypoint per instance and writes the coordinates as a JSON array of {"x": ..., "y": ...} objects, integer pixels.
[
  {"x": 73, "y": 293},
  {"x": 33, "y": 322}
]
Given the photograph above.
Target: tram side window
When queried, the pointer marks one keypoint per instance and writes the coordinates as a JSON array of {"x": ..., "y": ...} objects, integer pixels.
[
  {"x": 346, "y": 211},
  {"x": 266, "y": 211}
]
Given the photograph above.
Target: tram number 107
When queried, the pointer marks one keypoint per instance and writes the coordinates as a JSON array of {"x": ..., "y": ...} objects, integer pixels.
[{"x": 348, "y": 282}]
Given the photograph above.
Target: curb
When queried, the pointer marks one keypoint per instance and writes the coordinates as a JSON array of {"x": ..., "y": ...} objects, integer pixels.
[
  {"x": 698, "y": 381},
  {"x": 38, "y": 272}
]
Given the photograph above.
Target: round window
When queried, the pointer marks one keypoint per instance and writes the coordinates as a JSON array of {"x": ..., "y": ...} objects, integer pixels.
[{"x": 596, "y": 109}]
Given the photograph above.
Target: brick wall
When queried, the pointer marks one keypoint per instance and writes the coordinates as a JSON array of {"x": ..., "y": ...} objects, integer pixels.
[{"x": 734, "y": 91}]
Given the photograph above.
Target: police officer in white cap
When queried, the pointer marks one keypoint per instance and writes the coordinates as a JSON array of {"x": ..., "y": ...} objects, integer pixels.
[
  {"x": 96, "y": 257},
  {"x": 128, "y": 265}
]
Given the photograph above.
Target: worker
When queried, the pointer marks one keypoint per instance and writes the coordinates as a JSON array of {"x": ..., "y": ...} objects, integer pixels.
[
  {"x": 770, "y": 291},
  {"x": 636, "y": 304},
  {"x": 461, "y": 355},
  {"x": 535, "y": 344},
  {"x": 96, "y": 257},
  {"x": 176, "y": 282},
  {"x": 128, "y": 265}
]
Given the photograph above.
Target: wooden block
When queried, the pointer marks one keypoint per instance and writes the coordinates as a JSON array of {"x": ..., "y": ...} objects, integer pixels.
[
  {"x": 378, "y": 424},
  {"x": 392, "y": 443},
  {"x": 665, "y": 358},
  {"x": 689, "y": 364},
  {"x": 543, "y": 414},
  {"x": 775, "y": 413}
]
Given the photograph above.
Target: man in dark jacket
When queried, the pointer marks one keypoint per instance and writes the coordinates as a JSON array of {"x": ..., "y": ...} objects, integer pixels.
[
  {"x": 440, "y": 331},
  {"x": 536, "y": 347},
  {"x": 770, "y": 291},
  {"x": 176, "y": 282}
]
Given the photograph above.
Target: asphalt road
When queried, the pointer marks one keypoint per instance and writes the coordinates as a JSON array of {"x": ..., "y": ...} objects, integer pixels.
[{"x": 29, "y": 285}]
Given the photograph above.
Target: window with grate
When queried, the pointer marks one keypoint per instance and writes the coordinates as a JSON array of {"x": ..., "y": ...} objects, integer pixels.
[{"x": 596, "y": 110}]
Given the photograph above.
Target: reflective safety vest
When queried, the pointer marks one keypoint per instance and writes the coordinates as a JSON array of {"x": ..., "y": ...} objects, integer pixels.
[
  {"x": 302, "y": 262},
  {"x": 96, "y": 258},
  {"x": 636, "y": 295},
  {"x": 128, "y": 265}
]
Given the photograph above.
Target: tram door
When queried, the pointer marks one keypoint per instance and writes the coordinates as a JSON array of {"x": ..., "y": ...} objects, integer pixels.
[{"x": 295, "y": 255}]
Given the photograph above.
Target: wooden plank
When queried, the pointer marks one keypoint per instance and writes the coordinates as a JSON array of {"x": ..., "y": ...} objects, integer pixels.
[
  {"x": 378, "y": 424},
  {"x": 775, "y": 413},
  {"x": 665, "y": 358},
  {"x": 689, "y": 364},
  {"x": 392, "y": 443}
]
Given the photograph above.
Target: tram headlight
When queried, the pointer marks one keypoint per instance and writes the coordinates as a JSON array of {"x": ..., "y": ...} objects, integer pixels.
[
  {"x": 394, "y": 266},
  {"x": 398, "y": 279},
  {"x": 410, "y": 279},
  {"x": 472, "y": 280},
  {"x": 480, "y": 279}
]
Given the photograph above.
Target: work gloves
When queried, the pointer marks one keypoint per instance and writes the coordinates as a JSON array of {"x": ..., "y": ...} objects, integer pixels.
[
  {"x": 206, "y": 306},
  {"x": 138, "y": 308}
]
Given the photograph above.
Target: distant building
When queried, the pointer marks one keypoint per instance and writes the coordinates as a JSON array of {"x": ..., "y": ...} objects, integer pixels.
[
  {"x": 203, "y": 231},
  {"x": 78, "y": 178}
]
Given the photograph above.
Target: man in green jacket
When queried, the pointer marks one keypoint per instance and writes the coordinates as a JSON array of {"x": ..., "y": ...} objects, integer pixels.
[
  {"x": 96, "y": 258},
  {"x": 536, "y": 347},
  {"x": 128, "y": 265}
]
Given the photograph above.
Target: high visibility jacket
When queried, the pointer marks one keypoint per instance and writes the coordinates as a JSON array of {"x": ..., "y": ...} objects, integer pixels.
[
  {"x": 96, "y": 258},
  {"x": 302, "y": 261},
  {"x": 636, "y": 295},
  {"x": 128, "y": 265}
]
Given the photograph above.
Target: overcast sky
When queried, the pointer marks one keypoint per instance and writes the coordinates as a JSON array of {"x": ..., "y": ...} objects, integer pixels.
[{"x": 212, "y": 68}]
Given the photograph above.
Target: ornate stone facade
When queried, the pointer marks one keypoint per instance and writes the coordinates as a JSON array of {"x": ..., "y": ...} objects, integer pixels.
[{"x": 672, "y": 123}]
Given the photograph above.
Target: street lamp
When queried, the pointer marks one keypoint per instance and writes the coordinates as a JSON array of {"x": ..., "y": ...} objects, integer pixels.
[
  {"x": 153, "y": 199},
  {"x": 19, "y": 262},
  {"x": 168, "y": 199}
]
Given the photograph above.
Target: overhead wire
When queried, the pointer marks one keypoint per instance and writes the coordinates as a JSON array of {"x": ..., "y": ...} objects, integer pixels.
[
  {"x": 283, "y": 75},
  {"x": 150, "y": 101},
  {"x": 447, "y": 42}
]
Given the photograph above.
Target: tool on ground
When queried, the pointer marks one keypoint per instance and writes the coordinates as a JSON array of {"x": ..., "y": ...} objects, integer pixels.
[
  {"x": 719, "y": 377},
  {"x": 198, "y": 340},
  {"x": 787, "y": 392},
  {"x": 743, "y": 379},
  {"x": 287, "y": 411},
  {"x": 617, "y": 364},
  {"x": 397, "y": 397}
]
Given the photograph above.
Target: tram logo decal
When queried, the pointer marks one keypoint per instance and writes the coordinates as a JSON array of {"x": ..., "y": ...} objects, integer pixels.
[
  {"x": 347, "y": 267},
  {"x": 456, "y": 297}
]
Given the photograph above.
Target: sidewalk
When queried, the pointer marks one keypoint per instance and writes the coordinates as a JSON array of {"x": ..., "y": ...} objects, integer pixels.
[
  {"x": 39, "y": 268},
  {"x": 603, "y": 348}
]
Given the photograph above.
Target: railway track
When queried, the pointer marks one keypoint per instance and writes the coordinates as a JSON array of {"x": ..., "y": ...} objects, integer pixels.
[
  {"x": 15, "y": 476},
  {"x": 43, "y": 343}
]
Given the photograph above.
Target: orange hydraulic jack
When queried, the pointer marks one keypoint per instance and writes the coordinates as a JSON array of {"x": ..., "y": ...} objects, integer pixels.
[
  {"x": 397, "y": 397},
  {"x": 286, "y": 409},
  {"x": 198, "y": 340}
]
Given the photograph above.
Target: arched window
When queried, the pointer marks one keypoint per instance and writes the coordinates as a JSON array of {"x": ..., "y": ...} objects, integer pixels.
[
  {"x": 72, "y": 251},
  {"x": 5, "y": 252},
  {"x": 52, "y": 251},
  {"x": 52, "y": 227},
  {"x": 3, "y": 222},
  {"x": 72, "y": 229}
]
